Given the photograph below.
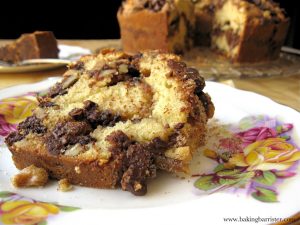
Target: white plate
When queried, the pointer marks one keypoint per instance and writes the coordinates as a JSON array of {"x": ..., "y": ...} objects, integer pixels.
[
  {"x": 170, "y": 200},
  {"x": 65, "y": 52}
]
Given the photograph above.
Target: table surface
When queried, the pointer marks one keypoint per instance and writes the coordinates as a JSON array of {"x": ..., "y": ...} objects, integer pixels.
[{"x": 284, "y": 90}]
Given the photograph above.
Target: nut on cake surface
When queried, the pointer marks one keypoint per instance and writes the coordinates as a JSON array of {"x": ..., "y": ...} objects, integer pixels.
[{"x": 115, "y": 119}]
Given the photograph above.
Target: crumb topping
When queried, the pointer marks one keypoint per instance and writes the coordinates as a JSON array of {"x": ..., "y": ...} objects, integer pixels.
[
  {"x": 154, "y": 5},
  {"x": 136, "y": 5},
  {"x": 181, "y": 70}
]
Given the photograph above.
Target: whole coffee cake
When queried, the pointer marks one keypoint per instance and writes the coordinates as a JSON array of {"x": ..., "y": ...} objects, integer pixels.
[
  {"x": 115, "y": 119},
  {"x": 245, "y": 31}
]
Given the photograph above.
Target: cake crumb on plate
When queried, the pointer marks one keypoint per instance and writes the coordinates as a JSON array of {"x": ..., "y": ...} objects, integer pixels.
[{"x": 30, "y": 176}]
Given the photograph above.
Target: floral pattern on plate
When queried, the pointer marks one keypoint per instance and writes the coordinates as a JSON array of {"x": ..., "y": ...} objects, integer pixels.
[
  {"x": 16, "y": 209},
  {"x": 257, "y": 154},
  {"x": 14, "y": 110}
]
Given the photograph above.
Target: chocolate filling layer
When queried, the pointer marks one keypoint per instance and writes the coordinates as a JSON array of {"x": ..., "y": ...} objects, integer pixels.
[
  {"x": 57, "y": 90},
  {"x": 233, "y": 38},
  {"x": 91, "y": 114},
  {"x": 45, "y": 102},
  {"x": 137, "y": 161},
  {"x": 61, "y": 88},
  {"x": 69, "y": 133},
  {"x": 31, "y": 124},
  {"x": 77, "y": 66},
  {"x": 66, "y": 134}
]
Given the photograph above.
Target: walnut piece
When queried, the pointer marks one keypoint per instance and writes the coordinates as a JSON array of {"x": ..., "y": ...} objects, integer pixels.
[
  {"x": 30, "y": 176},
  {"x": 64, "y": 185}
]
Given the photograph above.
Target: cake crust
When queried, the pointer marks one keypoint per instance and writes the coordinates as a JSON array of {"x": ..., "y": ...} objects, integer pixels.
[
  {"x": 137, "y": 27},
  {"x": 149, "y": 25},
  {"x": 262, "y": 42}
]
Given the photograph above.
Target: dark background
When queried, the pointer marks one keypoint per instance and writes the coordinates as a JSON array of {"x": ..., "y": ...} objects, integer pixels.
[{"x": 89, "y": 19}]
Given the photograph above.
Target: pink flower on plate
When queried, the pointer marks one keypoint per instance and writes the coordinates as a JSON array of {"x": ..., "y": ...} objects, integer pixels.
[
  {"x": 6, "y": 128},
  {"x": 269, "y": 154},
  {"x": 15, "y": 110},
  {"x": 256, "y": 134}
]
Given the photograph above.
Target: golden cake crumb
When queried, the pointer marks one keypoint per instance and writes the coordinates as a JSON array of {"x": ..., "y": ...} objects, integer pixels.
[
  {"x": 64, "y": 185},
  {"x": 30, "y": 176},
  {"x": 137, "y": 186},
  {"x": 77, "y": 169}
]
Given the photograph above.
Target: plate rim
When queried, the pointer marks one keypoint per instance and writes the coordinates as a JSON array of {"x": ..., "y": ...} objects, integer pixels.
[
  {"x": 177, "y": 207},
  {"x": 38, "y": 67}
]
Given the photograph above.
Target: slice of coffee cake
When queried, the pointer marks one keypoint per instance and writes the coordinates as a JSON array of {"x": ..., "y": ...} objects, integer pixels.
[
  {"x": 115, "y": 119},
  {"x": 40, "y": 44}
]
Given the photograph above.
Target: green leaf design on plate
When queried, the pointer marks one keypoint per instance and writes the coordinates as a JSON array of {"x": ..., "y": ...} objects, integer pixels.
[
  {"x": 228, "y": 182},
  {"x": 244, "y": 179},
  {"x": 6, "y": 194},
  {"x": 67, "y": 208},
  {"x": 42, "y": 223},
  {"x": 279, "y": 129},
  {"x": 225, "y": 156},
  {"x": 206, "y": 183},
  {"x": 265, "y": 195},
  {"x": 236, "y": 178},
  {"x": 267, "y": 178},
  {"x": 246, "y": 123},
  {"x": 219, "y": 167},
  {"x": 228, "y": 172}
]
